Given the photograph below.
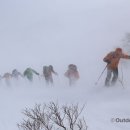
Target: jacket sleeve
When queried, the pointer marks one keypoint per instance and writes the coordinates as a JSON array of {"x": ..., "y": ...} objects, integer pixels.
[
  {"x": 77, "y": 75},
  {"x": 66, "y": 73},
  {"x": 25, "y": 72},
  {"x": 125, "y": 56},
  {"x": 108, "y": 57},
  {"x": 54, "y": 72},
  {"x": 20, "y": 74},
  {"x": 35, "y": 72}
]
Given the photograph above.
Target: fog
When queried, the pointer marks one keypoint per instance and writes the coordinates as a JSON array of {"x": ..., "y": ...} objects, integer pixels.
[{"x": 59, "y": 32}]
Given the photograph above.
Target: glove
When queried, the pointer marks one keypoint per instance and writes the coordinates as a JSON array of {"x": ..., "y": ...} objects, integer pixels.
[
  {"x": 108, "y": 62},
  {"x": 38, "y": 74}
]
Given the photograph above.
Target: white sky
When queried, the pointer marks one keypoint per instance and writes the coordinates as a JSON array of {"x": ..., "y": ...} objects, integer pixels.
[
  {"x": 35, "y": 33},
  {"x": 58, "y": 32}
]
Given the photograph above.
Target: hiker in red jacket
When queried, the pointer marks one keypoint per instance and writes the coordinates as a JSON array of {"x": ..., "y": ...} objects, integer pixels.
[{"x": 72, "y": 74}]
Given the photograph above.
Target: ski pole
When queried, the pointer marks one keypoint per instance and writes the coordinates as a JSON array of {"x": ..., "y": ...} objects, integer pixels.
[
  {"x": 101, "y": 75},
  {"x": 121, "y": 82}
]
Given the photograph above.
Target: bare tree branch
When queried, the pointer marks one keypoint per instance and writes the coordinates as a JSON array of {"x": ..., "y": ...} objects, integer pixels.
[{"x": 53, "y": 117}]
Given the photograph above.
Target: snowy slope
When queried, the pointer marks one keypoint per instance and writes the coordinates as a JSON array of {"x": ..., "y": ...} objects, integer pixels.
[
  {"x": 102, "y": 104},
  {"x": 60, "y": 32}
]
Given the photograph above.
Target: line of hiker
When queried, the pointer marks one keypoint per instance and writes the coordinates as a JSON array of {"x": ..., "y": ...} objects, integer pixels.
[
  {"x": 72, "y": 74},
  {"x": 112, "y": 59}
]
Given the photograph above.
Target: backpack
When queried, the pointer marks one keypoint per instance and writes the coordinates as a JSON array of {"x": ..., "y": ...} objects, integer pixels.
[
  {"x": 46, "y": 71},
  {"x": 72, "y": 67}
]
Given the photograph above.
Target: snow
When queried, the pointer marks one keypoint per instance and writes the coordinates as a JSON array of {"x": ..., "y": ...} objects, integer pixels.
[
  {"x": 101, "y": 104},
  {"x": 60, "y": 32}
]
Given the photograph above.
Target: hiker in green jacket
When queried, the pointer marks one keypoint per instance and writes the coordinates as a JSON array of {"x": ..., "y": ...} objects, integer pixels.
[{"x": 28, "y": 73}]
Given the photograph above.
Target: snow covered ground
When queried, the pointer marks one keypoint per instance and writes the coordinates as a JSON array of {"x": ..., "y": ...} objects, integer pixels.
[
  {"x": 102, "y": 104},
  {"x": 60, "y": 32}
]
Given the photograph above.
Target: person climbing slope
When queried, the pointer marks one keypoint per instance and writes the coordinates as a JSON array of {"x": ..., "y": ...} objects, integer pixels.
[
  {"x": 28, "y": 73},
  {"x": 112, "y": 59},
  {"x": 72, "y": 74}
]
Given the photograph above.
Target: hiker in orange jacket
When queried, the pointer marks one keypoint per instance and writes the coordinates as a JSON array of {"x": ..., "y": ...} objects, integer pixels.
[
  {"x": 112, "y": 59},
  {"x": 72, "y": 74}
]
